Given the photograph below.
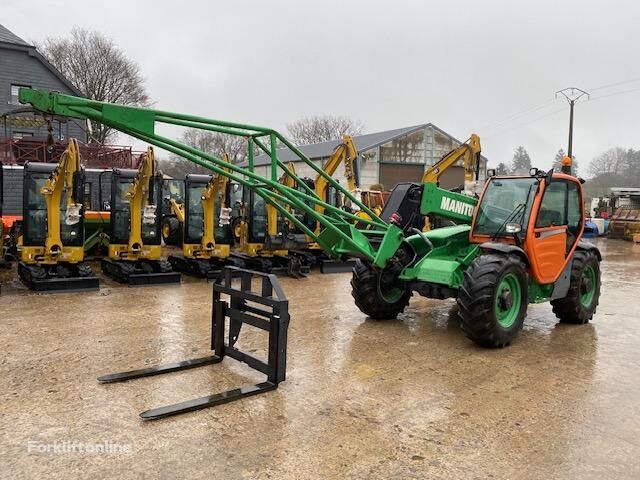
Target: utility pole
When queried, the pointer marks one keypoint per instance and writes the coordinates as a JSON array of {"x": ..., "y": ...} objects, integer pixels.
[{"x": 572, "y": 94}]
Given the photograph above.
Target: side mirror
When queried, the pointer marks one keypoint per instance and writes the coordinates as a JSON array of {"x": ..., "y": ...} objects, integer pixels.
[
  {"x": 513, "y": 227},
  {"x": 491, "y": 172},
  {"x": 77, "y": 189}
]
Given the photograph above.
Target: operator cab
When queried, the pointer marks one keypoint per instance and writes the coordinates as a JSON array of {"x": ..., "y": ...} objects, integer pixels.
[
  {"x": 541, "y": 214},
  {"x": 172, "y": 189},
  {"x": 36, "y": 176},
  {"x": 194, "y": 185},
  {"x": 121, "y": 182}
]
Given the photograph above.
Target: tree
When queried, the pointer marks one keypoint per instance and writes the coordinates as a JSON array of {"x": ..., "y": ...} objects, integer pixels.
[
  {"x": 322, "y": 128},
  {"x": 214, "y": 143},
  {"x": 521, "y": 163},
  {"x": 557, "y": 161},
  {"x": 502, "y": 169},
  {"x": 96, "y": 66},
  {"x": 612, "y": 162}
]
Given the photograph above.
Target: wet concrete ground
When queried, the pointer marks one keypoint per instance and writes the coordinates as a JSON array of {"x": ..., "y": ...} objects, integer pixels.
[{"x": 403, "y": 399}]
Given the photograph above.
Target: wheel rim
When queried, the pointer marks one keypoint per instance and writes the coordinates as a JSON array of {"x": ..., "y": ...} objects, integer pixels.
[
  {"x": 166, "y": 230},
  {"x": 508, "y": 300},
  {"x": 587, "y": 286}
]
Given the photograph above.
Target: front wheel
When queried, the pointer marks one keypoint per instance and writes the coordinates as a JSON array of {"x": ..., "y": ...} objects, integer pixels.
[
  {"x": 376, "y": 298},
  {"x": 582, "y": 298},
  {"x": 493, "y": 300},
  {"x": 172, "y": 231}
]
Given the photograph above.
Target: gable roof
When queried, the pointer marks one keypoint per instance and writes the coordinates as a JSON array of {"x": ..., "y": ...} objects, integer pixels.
[
  {"x": 10, "y": 40},
  {"x": 7, "y": 36},
  {"x": 316, "y": 151}
]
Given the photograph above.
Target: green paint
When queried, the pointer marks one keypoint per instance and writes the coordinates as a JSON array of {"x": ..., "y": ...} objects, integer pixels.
[
  {"x": 389, "y": 246},
  {"x": 508, "y": 300},
  {"x": 589, "y": 279},
  {"x": 456, "y": 206}
]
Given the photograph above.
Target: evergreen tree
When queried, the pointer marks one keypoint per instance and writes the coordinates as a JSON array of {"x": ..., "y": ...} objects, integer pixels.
[
  {"x": 521, "y": 163},
  {"x": 502, "y": 169}
]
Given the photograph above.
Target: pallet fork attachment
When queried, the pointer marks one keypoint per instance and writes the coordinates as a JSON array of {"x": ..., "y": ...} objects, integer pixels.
[{"x": 273, "y": 318}]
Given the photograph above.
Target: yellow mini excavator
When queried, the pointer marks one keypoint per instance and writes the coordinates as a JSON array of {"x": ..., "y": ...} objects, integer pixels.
[
  {"x": 135, "y": 251},
  {"x": 51, "y": 245},
  {"x": 264, "y": 240},
  {"x": 207, "y": 239}
]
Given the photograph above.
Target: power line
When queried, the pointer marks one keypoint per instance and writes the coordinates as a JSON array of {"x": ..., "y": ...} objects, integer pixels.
[
  {"x": 513, "y": 127},
  {"x": 615, "y": 84},
  {"x": 615, "y": 93},
  {"x": 513, "y": 116}
]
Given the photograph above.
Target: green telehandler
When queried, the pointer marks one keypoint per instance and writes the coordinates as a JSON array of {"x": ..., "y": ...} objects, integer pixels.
[{"x": 519, "y": 243}]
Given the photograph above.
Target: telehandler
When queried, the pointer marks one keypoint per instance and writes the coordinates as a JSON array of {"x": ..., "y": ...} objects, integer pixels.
[
  {"x": 519, "y": 243},
  {"x": 135, "y": 253},
  {"x": 51, "y": 244}
]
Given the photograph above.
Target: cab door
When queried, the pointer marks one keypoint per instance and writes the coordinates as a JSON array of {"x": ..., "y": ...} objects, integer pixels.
[{"x": 556, "y": 229}]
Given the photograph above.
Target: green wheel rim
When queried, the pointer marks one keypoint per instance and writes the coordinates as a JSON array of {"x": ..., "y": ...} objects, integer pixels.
[
  {"x": 507, "y": 314},
  {"x": 589, "y": 278}
]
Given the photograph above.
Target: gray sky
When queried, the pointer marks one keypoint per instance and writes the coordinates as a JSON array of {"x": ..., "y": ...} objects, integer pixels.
[{"x": 462, "y": 65}]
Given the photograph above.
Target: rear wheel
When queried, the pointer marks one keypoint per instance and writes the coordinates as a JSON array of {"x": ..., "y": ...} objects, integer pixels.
[
  {"x": 493, "y": 300},
  {"x": 582, "y": 298},
  {"x": 375, "y": 297},
  {"x": 172, "y": 231}
]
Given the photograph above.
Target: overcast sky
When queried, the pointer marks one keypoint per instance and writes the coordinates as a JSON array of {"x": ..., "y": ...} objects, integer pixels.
[{"x": 489, "y": 67}]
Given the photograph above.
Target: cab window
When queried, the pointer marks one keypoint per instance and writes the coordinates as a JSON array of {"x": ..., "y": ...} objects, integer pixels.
[
  {"x": 561, "y": 206},
  {"x": 553, "y": 210}
]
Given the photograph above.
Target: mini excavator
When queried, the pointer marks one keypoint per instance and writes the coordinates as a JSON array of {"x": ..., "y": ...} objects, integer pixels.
[
  {"x": 135, "y": 251},
  {"x": 207, "y": 238},
  {"x": 52, "y": 240}
]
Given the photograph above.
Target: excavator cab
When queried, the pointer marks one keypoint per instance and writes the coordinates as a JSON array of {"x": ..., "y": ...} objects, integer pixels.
[
  {"x": 173, "y": 193},
  {"x": 52, "y": 250},
  {"x": 121, "y": 182}
]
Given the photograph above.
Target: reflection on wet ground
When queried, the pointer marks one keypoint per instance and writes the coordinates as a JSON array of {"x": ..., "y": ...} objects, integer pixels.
[{"x": 411, "y": 398}]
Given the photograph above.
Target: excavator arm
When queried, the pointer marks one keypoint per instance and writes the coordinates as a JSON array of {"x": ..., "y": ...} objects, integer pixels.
[
  {"x": 210, "y": 193},
  {"x": 468, "y": 152},
  {"x": 59, "y": 185},
  {"x": 141, "y": 203}
]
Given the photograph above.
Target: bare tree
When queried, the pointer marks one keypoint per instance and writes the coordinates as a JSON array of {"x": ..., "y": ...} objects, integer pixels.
[
  {"x": 213, "y": 143},
  {"x": 96, "y": 66},
  {"x": 611, "y": 162},
  {"x": 322, "y": 128}
]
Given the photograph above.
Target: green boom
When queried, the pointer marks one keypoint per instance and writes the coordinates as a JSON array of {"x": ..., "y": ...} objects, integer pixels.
[{"x": 377, "y": 243}]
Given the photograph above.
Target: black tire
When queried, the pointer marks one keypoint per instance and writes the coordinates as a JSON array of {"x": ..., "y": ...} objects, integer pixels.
[
  {"x": 366, "y": 292},
  {"x": 570, "y": 309},
  {"x": 172, "y": 231},
  {"x": 477, "y": 299}
]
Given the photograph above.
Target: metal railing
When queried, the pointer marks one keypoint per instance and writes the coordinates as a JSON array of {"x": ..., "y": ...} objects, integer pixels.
[{"x": 21, "y": 151}]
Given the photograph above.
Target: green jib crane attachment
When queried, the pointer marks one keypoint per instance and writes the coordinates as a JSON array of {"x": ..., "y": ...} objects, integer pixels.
[{"x": 338, "y": 236}]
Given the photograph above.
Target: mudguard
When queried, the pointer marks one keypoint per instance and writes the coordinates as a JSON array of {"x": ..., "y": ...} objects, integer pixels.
[
  {"x": 582, "y": 245},
  {"x": 505, "y": 248}
]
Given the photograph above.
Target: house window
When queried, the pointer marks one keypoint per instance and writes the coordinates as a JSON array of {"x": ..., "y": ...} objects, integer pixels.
[{"x": 14, "y": 93}]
